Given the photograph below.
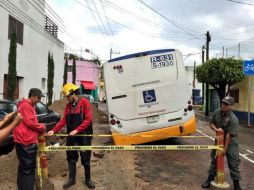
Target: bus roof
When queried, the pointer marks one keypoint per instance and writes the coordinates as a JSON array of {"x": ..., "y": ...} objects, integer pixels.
[{"x": 151, "y": 52}]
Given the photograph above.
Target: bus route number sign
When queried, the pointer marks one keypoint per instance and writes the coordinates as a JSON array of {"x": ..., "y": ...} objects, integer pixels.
[{"x": 162, "y": 61}]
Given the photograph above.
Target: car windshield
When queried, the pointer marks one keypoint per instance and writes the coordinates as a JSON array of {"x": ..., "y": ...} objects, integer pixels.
[
  {"x": 91, "y": 98},
  {"x": 7, "y": 107}
]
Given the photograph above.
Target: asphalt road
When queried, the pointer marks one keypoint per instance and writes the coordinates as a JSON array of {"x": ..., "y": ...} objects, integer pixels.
[{"x": 188, "y": 169}]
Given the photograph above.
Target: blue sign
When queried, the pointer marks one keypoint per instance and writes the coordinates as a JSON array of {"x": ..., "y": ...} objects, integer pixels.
[
  {"x": 149, "y": 96},
  {"x": 248, "y": 67}
]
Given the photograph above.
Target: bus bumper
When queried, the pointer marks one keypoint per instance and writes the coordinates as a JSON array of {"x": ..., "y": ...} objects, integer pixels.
[{"x": 148, "y": 136}]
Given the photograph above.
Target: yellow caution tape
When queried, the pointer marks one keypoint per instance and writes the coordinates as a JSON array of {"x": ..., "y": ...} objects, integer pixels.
[
  {"x": 128, "y": 135},
  {"x": 133, "y": 147},
  {"x": 39, "y": 170}
]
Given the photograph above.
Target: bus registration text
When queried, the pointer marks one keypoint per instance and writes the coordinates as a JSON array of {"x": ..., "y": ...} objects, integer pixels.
[{"x": 162, "y": 61}]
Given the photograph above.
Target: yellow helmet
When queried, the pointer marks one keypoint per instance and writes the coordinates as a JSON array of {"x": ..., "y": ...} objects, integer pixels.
[{"x": 69, "y": 88}]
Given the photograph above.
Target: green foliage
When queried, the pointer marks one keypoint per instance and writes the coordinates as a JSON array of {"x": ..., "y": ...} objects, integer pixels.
[
  {"x": 73, "y": 56},
  {"x": 50, "y": 84},
  {"x": 220, "y": 73},
  {"x": 65, "y": 72},
  {"x": 74, "y": 71},
  {"x": 97, "y": 61},
  {"x": 12, "y": 72}
]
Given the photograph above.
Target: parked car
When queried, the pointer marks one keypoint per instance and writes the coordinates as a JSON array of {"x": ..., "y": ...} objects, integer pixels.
[
  {"x": 91, "y": 99},
  {"x": 44, "y": 115},
  {"x": 197, "y": 100}
]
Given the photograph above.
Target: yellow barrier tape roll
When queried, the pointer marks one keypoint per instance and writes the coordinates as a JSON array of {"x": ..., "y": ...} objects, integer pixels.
[{"x": 134, "y": 147}]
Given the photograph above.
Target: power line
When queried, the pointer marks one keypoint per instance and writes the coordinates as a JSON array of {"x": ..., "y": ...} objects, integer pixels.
[
  {"x": 244, "y": 3},
  {"x": 28, "y": 20},
  {"x": 143, "y": 33},
  {"x": 141, "y": 19},
  {"x": 102, "y": 23},
  {"x": 102, "y": 32},
  {"x": 169, "y": 20},
  {"x": 235, "y": 39},
  {"x": 237, "y": 32},
  {"x": 43, "y": 16},
  {"x": 52, "y": 11},
  {"x": 58, "y": 19},
  {"x": 48, "y": 7},
  {"x": 92, "y": 12},
  {"x": 106, "y": 18},
  {"x": 38, "y": 9},
  {"x": 104, "y": 27}
]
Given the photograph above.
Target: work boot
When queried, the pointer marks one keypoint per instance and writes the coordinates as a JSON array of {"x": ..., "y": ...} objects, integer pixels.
[
  {"x": 206, "y": 185},
  {"x": 237, "y": 185},
  {"x": 26, "y": 179},
  {"x": 89, "y": 183},
  {"x": 72, "y": 176}
]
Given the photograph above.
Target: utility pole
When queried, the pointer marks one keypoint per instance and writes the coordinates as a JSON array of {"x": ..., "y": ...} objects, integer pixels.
[
  {"x": 193, "y": 84},
  {"x": 112, "y": 52},
  {"x": 222, "y": 52},
  {"x": 81, "y": 53},
  {"x": 226, "y": 52},
  {"x": 194, "y": 74},
  {"x": 203, "y": 85},
  {"x": 208, "y": 39}
]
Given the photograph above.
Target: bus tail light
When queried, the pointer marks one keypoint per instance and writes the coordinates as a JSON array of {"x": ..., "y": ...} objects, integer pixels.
[
  {"x": 119, "y": 68},
  {"x": 112, "y": 122},
  {"x": 190, "y": 107},
  {"x": 118, "y": 122}
]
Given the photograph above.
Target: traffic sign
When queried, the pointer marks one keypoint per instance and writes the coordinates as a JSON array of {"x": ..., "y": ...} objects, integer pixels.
[{"x": 248, "y": 67}]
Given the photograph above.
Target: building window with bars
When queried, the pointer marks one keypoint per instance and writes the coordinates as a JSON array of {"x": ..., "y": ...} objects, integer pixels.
[
  {"x": 51, "y": 27},
  {"x": 17, "y": 27},
  {"x": 43, "y": 83}
]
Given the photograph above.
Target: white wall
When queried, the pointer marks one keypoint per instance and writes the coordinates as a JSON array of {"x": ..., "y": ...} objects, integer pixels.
[{"x": 32, "y": 56}]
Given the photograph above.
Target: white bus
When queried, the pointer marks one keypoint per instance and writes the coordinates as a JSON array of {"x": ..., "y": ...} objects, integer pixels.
[{"x": 148, "y": 97}]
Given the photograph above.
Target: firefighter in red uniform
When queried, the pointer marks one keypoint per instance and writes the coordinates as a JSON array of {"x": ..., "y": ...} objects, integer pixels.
[{"x": 78, "y": 119}]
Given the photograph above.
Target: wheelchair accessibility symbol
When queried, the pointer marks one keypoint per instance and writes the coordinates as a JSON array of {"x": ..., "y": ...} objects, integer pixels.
[{"x": 149, "y": 96}]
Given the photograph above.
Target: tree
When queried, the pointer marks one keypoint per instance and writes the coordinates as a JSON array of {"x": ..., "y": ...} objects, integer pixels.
[
  {"x": 97, "y": 61},
  {"x": 74, "y": 71},
  {"x": 12, "y": 71},
  {"x": 73, "y": 56},
  {"x": 220, "y": 73},
  {"x": 65, "y": 72},
  {"x": 50, "y": 78}
]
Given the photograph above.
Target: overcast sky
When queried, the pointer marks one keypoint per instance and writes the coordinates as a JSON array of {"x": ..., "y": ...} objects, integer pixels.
[{"x": 129, "y": 26}]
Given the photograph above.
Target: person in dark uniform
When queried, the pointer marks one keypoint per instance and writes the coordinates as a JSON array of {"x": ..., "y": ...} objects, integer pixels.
[
  {"x": 225, "y": 120},
  {"x": 78, "y": 119}
]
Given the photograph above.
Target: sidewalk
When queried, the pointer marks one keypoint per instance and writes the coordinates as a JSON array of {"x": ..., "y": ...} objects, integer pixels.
[{"x": 201, "y": 115}]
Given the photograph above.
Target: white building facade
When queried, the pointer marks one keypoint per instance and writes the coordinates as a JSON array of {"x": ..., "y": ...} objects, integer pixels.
[{"x": 34, "y": 42}]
